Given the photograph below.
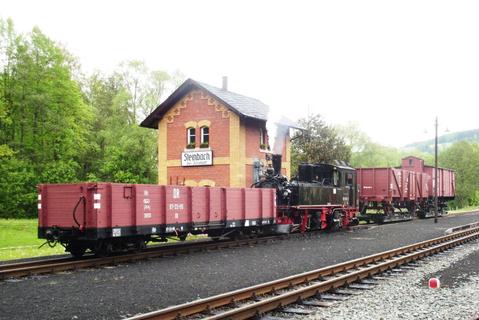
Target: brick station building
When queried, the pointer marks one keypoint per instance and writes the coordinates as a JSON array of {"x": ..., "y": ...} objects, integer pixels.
[{"x": 209, "y": 136}]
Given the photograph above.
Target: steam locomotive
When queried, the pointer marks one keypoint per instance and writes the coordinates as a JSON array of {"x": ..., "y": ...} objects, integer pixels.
[{"x": 321, "y": 196}]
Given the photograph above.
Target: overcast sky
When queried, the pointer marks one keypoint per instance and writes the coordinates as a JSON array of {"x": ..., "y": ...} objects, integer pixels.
[{"x": 390, "y": 66}]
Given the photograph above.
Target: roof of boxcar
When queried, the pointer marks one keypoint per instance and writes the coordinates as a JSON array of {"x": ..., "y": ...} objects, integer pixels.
[
  {"x": 412, "y": 157},
  {"x": 242, "y": 105}
]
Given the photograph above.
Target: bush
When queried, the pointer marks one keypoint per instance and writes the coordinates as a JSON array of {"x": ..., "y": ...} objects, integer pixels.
[
  {"x": 60, "y": 172},
  {"x": 18, "y": 191}
]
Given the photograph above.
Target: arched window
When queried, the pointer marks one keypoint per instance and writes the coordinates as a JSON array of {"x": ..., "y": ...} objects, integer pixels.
[
  {"x": 205, "y": 137},
  {"x": 190, "y": 138}
]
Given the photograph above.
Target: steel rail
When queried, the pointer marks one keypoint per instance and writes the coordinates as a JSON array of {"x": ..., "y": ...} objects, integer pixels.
[
  {"x": 51, "y": 265},
  {"x": 44, "y": 260},
  {"x": 366, "y": 266},
  {"x": 50, "y": 260}
]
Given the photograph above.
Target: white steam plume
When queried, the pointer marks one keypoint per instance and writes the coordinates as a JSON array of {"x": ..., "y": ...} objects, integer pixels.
[{"x": 276, "y": 132}]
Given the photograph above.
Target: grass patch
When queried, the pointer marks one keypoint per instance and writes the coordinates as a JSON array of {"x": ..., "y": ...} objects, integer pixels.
[
  {"x": 463, "y": 210},
  {"x": 18, "y": 239}
]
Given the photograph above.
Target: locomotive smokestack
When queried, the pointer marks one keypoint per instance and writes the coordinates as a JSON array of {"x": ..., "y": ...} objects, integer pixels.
[
  {"x": 225, "y": 83},
  {"x": 276, "y": 159}
]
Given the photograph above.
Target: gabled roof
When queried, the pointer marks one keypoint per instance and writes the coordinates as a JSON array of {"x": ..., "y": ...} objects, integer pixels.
[
  {"x": 412, "y": 157},
  {"x": 242, "y": 105}
]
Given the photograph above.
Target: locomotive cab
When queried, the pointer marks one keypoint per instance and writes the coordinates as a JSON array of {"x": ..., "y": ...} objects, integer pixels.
[{"x": 329, "y": 184}]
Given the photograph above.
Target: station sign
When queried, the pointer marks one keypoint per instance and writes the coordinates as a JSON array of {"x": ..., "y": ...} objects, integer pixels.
[{"x": 196, "y": 158}]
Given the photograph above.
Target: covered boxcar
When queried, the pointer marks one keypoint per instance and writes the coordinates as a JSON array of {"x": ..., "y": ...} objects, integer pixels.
[{"x": 446, "y": 185}]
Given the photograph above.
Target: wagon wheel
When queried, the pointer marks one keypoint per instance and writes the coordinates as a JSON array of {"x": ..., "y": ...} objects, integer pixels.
[
  {"x": 140, "y": 245},
  {"x": 239, "y": 235},
  {"x": 76, "y": 250},
  {"x": 381, "y": 219},
  {"x": 182, "y": 236},
  {"x": 103, "y": 248},
  {"x": 215, "y": 235}
]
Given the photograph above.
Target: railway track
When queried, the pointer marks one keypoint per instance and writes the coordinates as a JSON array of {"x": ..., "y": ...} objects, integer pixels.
[
  {"x": 51, "y": 265},
  {"x": 309, "y": 288}
]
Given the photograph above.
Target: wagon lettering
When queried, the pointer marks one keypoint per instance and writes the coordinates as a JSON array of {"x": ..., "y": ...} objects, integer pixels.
[
  {"x": 176, "y": 206},
  {"x": 116, "y": 232},
  {"x": 176, "y": 193}
]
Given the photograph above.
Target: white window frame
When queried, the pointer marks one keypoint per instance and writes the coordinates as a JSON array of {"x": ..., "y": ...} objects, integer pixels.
[
  {"x": 202, "y": 134},
  {"x": 190, "y": 132}
]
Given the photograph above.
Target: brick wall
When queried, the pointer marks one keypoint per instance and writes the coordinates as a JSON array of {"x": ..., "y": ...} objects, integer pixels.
[
  {"x": 235, "y": 143},
  {"x": 204, "y": 175},
  {"x": 196, "y": 109}
]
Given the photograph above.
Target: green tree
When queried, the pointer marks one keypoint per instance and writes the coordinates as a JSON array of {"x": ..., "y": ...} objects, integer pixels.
[
  {"x": 146, "y": 87},
  {"x": 317, "y": 143},
  {"x": 366, "y": 153},
  {"x": 353, "y": 136},
  {"x": 124, "y": 151},
  {"x": 43, "y": 120},
  {"x": 463, "y": 157}
]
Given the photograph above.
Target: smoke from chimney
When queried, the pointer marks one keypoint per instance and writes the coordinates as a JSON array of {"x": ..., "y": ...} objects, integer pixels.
[
  {"x": 225, "y": 83},
  {"x": 276, "y": 133},
  {"x": 280, "y": 139}
]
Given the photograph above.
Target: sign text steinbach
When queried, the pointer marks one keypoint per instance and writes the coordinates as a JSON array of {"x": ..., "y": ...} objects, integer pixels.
[{"x": 196, "y": 158}]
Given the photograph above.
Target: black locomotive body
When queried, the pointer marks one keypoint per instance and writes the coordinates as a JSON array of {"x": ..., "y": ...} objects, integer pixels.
[
  {"x": 325, "y": 184},
  {"x": 321, "y": 196}
]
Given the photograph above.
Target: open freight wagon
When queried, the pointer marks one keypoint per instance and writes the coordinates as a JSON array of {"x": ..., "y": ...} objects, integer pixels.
[
  {"x": 395, "y": 194},
  {"x": 390, "y": 194},
  {"x": 112, "y": 217}
]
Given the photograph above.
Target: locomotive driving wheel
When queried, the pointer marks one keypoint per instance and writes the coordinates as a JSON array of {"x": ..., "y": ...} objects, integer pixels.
[{"x": 335, "y": 220}]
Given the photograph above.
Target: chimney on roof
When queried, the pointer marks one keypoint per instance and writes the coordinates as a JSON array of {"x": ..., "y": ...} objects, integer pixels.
[{"x": 225, "y": 83}]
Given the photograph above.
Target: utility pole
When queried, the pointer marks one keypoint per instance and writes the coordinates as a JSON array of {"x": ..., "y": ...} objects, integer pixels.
[{"x": 435, "y": 177}]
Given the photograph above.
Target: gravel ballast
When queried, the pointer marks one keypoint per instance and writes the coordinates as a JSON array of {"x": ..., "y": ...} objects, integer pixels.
[
  {"x": 125, "y": 290},
  {"x": 407, "y": 295}
]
